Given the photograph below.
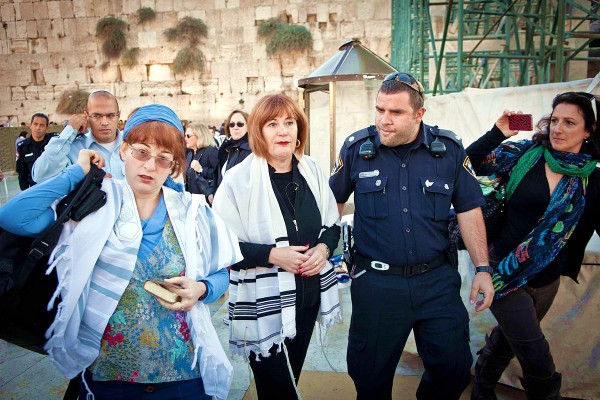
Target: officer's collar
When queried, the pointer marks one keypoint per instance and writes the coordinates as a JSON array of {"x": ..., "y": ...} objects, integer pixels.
[{"x": 92, "y": 139}]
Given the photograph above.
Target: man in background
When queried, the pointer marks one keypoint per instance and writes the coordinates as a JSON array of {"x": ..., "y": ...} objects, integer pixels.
[
  {"x": 95, "y": 129},
  {"x": 30, "y": 149}
]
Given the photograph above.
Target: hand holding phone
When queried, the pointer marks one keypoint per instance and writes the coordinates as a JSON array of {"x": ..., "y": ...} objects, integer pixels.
[
  {"x": 520, "y": 122},
  {"x": 162, "y": 290}
]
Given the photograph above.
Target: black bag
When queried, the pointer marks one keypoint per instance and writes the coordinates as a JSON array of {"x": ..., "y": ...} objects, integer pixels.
[
  {"x": 25, "y": 289},
  {"x": 204, "y": 185},
  {"x": 493, "y": 214}
]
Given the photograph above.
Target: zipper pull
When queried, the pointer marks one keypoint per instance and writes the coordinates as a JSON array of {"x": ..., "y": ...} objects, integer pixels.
[{"x": 295, "y": 224}]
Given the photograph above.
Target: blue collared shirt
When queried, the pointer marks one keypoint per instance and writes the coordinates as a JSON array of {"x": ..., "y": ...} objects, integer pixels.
[{"x": 63, "y": 151}]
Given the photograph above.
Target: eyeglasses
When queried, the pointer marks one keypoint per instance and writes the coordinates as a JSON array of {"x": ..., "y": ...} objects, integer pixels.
[
  {"x": 187, "y": 135},
  {"x": 99, "y": 117},
  {"x": 407, "y": 79},
  {"x": 239, "y": 124},
  {"x": 144, "y": 155}
]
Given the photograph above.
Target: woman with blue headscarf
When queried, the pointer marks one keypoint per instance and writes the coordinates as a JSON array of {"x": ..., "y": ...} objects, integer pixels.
[{"x": 125, "y": 341}]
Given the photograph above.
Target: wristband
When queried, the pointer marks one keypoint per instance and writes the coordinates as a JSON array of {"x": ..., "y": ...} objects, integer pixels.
[{"x": 484, "y": 268}]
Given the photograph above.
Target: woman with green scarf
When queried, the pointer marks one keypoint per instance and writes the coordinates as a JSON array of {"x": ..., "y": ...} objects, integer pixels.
[{"x": 552, "y": 208}]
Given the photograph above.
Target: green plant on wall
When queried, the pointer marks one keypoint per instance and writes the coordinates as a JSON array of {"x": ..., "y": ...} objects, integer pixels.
[
  {"x": 284, "y": 38},
  {"x": 110, "y": 29},
  {"x": 190, "y": 58},
  {"x": 130, "y": 57},
  {"x": 72, "y": 102},
  {"x": 145, "y": 14}
]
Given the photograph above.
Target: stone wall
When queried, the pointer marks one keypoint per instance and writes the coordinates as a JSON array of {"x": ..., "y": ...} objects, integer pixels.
[{"x": 47, "y": 47}]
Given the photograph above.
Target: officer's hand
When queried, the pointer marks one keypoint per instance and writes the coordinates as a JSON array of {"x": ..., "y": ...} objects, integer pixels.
[
  {"x": 502, "y": 123},
  {"x": 78, "y": 122},
  {"x": 315, "y": 263},
  {"x": 88, "y": 157},
  {"x": 482, "y": 283},
  {"x": 289, "y": 257}
]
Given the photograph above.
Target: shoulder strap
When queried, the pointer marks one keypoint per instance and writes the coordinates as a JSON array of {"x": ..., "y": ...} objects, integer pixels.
[{"x": 45, "y": 242}]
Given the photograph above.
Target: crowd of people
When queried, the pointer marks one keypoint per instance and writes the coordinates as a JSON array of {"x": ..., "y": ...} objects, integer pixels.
[{"x": 259, "y": 217}]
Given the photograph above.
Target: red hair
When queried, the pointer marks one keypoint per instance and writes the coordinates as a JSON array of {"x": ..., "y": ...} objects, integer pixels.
[{"x": 163, "y": 135}]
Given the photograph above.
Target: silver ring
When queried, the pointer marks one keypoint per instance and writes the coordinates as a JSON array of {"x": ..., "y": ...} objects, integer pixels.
[{"x": 181, "y": 308}]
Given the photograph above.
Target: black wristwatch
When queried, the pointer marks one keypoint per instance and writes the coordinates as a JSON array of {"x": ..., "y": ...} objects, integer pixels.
[{"x": 484, "y": 268}]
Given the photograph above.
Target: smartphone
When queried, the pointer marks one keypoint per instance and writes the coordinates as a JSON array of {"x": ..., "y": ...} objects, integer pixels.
[
  {"x": 520, "y": 122},
  {"x": 161, "y": 289}
]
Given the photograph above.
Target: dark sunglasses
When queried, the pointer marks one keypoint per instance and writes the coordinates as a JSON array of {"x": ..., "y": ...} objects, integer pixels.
[
  {"x": 187, "y": 135},
  {"x": 239, "y": 124},
  {"x": 407, "y": 79}
]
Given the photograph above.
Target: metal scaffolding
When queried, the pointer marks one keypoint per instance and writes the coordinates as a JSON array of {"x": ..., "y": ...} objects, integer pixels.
[{"x": 451, "y": 45}]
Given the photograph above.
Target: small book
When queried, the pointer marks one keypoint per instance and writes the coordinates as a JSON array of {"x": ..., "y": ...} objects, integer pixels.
[{"x": 158, "y": 289}]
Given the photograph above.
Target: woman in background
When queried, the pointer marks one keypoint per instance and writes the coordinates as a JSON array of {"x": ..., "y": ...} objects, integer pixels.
[
  {"x": 552, "y": 189},
  {"x": 201, "y": 158},
  {"x": 234, "y": 149},
  {"x": 279, "y": 204}
]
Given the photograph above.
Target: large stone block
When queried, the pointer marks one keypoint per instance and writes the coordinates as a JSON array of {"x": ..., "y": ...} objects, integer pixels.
[
  {"x": 40, "y": 10},
  {"x": 365, "y": 10},
  {"x": 273, "y": 83},
  {"x": 26, "y": 10},
  {"x": 7, "y": 12},
  {"x": 31, "y": 27},
  {"x": 148, "y": 3},
  {"x": 101, "y": 9},
  {"x": 147, "y": 40},
  {"x": 263, "y": 13},
  {"x": 66, "y": 8},
  {"x": 164, "y": 5},
  {"x": 239, "y": 84},
  {"x": 165, "y": 87},
  {"x": 131, "y": 6},
  {"x": 38, "y": 74},
  {"x": 382, "y": 10},
  {"x": 53, "y": 9},
  {"x": 134, "y": 89},
  {"x": 21, "y": 29},
  {"x": 19, "y": 46},
  {"x": 45, "y": 92},
  {"x": 37, "y": 46},
  {"x": 250, "y": 34},
  {"x": 160, "y": 72},
  {"x": 54, "y": 44},
  {"x": 191, "y": 86},
  {"x": 135, "y": 73},
  {"x": 221, "y": 69},
  {"x": 17, "y": 93},
  {"x": 5, "y": 92},
  {"x": 82, "y": 8},
  {"x": 44, "y": 28},
  {"x": 224, "y": 87},
  {"x": 255, "y": 85},
  {"x": 115, "y": 7},
  {"x": 31, "y": 93},
  {"x": 70, "y": 26},
  {"x": 378, "y": 29},
  {"x": 355, "y": 29}
]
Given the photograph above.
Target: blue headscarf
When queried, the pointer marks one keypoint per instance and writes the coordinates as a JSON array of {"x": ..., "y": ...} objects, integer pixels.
[
  {"x": 158, "y": 113},
  {"x": 150, "y": 113}
]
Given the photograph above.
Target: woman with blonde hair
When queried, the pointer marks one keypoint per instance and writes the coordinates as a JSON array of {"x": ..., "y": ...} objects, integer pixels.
[{"x": 201, "y": 158}]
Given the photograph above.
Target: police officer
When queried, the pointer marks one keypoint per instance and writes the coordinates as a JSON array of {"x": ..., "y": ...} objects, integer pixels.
[
  {"x": 31, "y": 148},
  {"x": 405, "y": 175}
]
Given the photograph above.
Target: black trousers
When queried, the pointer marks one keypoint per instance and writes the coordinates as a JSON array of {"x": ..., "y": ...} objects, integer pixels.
[
  {"x": 385, "y": 308},
  {"x": 271, "y": 374},
  {"x": 518, "y": 331}
]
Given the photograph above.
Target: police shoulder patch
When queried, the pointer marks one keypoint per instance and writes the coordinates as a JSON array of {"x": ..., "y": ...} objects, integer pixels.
[
  {"x": 357, "y": 136},
  {"x": 339, "y": 164},
  {"x": 468, "y": 167},
  {"x": 450, "y": 135}
]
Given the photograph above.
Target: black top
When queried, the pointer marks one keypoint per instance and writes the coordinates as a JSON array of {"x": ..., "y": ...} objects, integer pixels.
[
  {"x": 527, "y": 205},
  {"x": 296, "y": 202},
  {"x": 231, "y": 153},
  {"x": 403, "y": 194},
  {"x": 197, "y": 182},
  {"x": 28, "y": 151}
]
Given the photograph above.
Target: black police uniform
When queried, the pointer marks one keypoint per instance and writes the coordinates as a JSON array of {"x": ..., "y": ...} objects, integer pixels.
[
  {"x": 28, "y": 151},
  {"x": 402, "y": 199}
]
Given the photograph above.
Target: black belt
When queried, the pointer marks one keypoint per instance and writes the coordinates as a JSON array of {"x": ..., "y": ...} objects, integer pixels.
[{"x": 406, "y": 271}]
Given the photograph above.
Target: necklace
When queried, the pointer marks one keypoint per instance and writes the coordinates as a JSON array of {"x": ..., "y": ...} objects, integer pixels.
[{"x": 283, "y": 199}]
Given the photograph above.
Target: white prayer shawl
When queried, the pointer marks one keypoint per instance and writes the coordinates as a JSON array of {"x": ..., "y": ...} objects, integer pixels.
[
  {"x": 94, "y": 261},
  {"x": 262, "y": 299}
]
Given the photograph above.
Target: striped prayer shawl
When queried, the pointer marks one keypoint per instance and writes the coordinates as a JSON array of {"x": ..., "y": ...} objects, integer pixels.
[
  {"x": 262, "y": 299},
  {"x": 94, "y": 261}
]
